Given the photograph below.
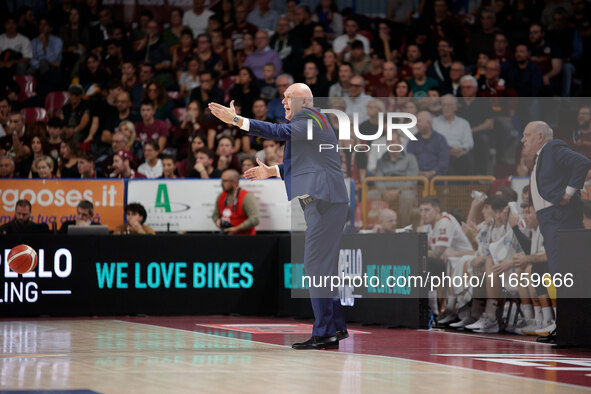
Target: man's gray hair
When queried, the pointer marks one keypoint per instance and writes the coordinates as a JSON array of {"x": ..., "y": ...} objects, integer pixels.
[
  {"x": 455, "y": 99},
  {"x": 4, "y": 157},
  {"x": 427, "y": 115},
  {"x": 543, "y": 127},
  {"x": 469, "y": 78}
]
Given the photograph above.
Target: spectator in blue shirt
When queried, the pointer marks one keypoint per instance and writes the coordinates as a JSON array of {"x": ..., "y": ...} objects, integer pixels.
[
  {"x": 522, "y": 74},
  {"x": 275, "y": 108},
  {"x": 47, "y": 49},
  {"x": 263, "y": 17},
  {"x": 430, "y": 149}
]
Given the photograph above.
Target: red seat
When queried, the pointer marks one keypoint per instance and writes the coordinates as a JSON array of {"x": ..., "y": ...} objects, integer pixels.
[
  {"x": 36, "y": 114},
  {"x": 179, "y": 113},
  {"x": 28, "y": 86},
  {"x": 55, "y": 101}
]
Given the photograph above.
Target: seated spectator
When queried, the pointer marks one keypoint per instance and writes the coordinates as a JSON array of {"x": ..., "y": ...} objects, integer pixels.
[
  {"x": 189, "y": 79},
  {"x": 458, "y": 134},
  {"x": 491, "y": 85},
  {"x": 387, "y": 222},
  {"x": 248, "y": 48},
  {"x": 479, "y": 115},
  {"x": 252, "y": 144},
  {"x": 383, "y": 86},
  {"x": 172, "y": 34},
  {"x": 288, "y": 46},
  {"x": 123, "y": 104},
  {"x": 74, "y": 36},
  {"x": 208, "y": 91},
  {"x": 127, "y": 128},
  {"x": 197, "y": 17},
  {"x": 183, "y": 52},
  {"x": 122, "y": 167},
  {"x": 548, "y": 57},
  {"x": 357, "y": 100},
  {"x": 268, "y": 84},
  {"x": 246, "y": 163},
  {"x": 245, "y": 91},
  {"x": 192, "y": 124},
  {"x": 342, "y": 45},
  {"x": 6, "y": 167},
  {"x": 156, "y": 93},
  {"x": 209, "y": 60},
  {"x": 224, "y": 155},
  {"x": 440, "y": 68},
  {"x": 386, "y": 43},
  {"x": 136, "y": 92},
  {"x": 412, "y": 56},
  {"x": 153, "y": 49},
  {"x": 430, "y": 149},
  {"x": 47, "y": 52},
  {"x": 151, "y": 129},
  {"x": 16, "y": 142},
  {"x": 218, "y": 46},
  {"x": 523, "y": 75},
  {"x": 84, "y": 215},
  {"x": 314, "y": 80},
  {"x": 268, "y": 153},
  {"x": 39, "y": 148},
  {"x": 452, "y": 84},
  {"x": 189, "y": 162},
  {"x": 304, "y": 28},
  {"x": 104, "y": 119},
  {"x": 43, "y": 166},
  {"x": 501, "y": 52},
  {"x": 75, "y": 114},
  {"x": 203, "y": 165},
  {"x": 55, "y": 130},
  {"x": 135, "y": 215},
  {"x": 168, "y": 167},
  {"x": 262, "y": 16},
  {"x": 128, "y": 75},
  {"x": 360, "y": 61},
  {"x": 15, "y": 49},
  {"x": 275, "y": 107},
  {"x": 341, "y": 88},
  {"x": 22, "y": 223},
  {"x": 68, "y": 160},
  {"x": 581, "y": 137},
  {"x": 86, "y": 165},
  {"x": 420, "y": 83},
  {"x": 152, "y": 168},
  {"x": 91, "y": 75},
  {"x": 315, "y": 53},
  {"x": 236, "y": 211}
]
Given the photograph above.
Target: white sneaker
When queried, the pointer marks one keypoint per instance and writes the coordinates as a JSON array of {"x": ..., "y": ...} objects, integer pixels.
[
  {"x": 524, "y": 324},
  {"x": 490, "y": 327},
  {"x": 547, "y": 328},
  {"x": 463, "y": 323},
  {"x": 531, "y": 329},
  {"x": 433, "y": 304},
  {"x": 447, "y": 317},
  {"x": 478, "y": 324},
  {"x": 516, "y": 328}
]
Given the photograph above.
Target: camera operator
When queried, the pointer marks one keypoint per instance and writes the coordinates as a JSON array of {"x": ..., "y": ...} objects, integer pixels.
[{"x": 236, "y": 210}]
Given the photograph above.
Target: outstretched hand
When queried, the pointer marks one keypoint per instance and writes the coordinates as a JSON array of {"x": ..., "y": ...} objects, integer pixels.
[
  {"x": 225, "y": 114},
  {"x": 263, "y": 171}
]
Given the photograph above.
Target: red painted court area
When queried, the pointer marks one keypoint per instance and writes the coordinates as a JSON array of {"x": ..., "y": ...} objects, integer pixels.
[{"x": 502, "y": 354}]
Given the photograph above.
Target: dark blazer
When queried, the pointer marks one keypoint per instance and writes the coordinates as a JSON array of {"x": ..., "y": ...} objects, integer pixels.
[
  {"x": 557, "y": 167},
  {"x": 306, "y": 169}
]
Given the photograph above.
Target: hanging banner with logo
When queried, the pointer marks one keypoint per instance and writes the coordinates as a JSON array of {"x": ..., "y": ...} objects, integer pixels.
[
  {"x": 188, "y": 205},
  {"x": 55, "y": 201}
]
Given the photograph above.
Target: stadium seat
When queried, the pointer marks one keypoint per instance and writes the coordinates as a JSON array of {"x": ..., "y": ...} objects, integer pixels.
[
  {"x": 37, "y": 114},
  {"x": 179, "y": 113},
  {"x": 28, "y": 86},
  {"x": 55, "y": 101}
]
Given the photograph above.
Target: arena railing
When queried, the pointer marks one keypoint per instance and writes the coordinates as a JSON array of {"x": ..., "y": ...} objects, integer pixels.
[{"x": 456, "y": 191}]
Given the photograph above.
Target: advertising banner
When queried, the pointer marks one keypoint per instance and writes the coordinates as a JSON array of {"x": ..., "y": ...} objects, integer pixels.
[
  {"x": 155, "y": 275},
  {"x": 55, "y": 200},
  {"x": 188, "y": 205}
]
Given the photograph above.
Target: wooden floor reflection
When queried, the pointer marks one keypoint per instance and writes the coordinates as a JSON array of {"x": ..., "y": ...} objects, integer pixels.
[{"x": 110, "y": 356}]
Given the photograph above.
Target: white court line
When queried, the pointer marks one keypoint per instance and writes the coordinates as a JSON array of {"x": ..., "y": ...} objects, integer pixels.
[
  {"x": 466, "y": 334},
  {"x": 380, "y": 356},
  {"x": 49, "y": 292}
]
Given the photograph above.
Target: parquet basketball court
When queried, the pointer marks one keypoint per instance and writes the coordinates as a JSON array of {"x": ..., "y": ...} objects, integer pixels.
[{"x": 210, "y": 354}]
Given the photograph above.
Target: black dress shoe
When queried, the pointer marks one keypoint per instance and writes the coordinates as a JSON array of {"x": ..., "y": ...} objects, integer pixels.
[
  {"x": 342, "y": 334},
  {"x": 318, "y": 343},
  {"x": 549, "y": 339}
]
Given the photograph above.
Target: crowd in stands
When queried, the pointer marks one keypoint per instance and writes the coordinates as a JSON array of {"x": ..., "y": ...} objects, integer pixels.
[{"x": 87, "y": 93}]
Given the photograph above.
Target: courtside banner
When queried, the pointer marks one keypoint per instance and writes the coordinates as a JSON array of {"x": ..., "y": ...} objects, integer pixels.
[
  {"x": 56, "y": 200},
  {"x": 188, "y": 205}
]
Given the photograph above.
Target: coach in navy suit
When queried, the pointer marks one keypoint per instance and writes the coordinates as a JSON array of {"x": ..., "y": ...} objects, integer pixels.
[
  {"x": 557, "y": 176},
  {"x": 314, "y": 177}
]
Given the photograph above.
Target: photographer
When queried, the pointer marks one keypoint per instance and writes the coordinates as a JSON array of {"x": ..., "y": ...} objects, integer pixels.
[{"x": 236, "y": 210}]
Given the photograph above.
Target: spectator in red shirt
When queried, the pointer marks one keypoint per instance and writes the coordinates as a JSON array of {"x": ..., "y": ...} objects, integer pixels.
[{"x": 151, "y": 129}]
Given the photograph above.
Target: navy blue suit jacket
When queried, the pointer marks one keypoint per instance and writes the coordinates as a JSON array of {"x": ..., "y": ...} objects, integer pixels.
[
  {"x": 557, "y": 167},
  {"x": 305, "y": 169}
]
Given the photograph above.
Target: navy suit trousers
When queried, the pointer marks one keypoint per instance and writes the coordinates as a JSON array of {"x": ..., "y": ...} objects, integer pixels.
[
  {"x": 325, "y": 222},
  {"x": 554, "y": 218}
]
